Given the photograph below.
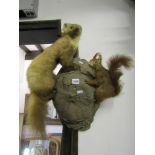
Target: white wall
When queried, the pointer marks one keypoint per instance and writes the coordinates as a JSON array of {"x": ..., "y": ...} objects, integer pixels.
[
  {"x": 108, "y": 27},
  {"x": 21, "y": 81}
]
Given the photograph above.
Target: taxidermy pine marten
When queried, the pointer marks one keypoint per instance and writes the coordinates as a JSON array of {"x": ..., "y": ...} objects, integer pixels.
[
  {"x": 107, "y": 81},
  {"x": 40, "y": 77}
]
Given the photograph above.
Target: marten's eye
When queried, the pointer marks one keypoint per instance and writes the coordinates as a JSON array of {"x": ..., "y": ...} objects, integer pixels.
[
  {"x": 71, "y": 27},
  {"x": 65, "y": 25}
]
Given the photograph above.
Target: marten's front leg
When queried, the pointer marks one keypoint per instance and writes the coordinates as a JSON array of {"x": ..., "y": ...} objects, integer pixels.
[
  {"x": 92, "y": 82},
  {"x": 66, "y": 58}
]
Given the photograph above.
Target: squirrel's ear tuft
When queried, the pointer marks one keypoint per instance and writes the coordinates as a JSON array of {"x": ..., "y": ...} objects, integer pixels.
[{"x": 95, "y": 55}]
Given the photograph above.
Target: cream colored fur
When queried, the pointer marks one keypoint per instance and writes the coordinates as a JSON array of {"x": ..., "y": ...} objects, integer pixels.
[{"x": 40, "y": 77}]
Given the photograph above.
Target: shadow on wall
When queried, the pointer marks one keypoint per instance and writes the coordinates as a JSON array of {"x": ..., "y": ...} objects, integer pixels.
[
  {"x": 107, "y": 104},
  {"x": 130, "y": 2}
]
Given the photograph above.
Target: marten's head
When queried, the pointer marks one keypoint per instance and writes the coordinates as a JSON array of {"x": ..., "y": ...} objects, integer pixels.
[
  {"x": 73, "y": 30},
  {"x": 96, "y": 61}
]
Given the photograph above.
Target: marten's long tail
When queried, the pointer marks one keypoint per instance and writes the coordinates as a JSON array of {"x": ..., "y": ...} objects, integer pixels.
[
  {"x": 37, "y": 110},
  {"x": 114, "y": 65}
]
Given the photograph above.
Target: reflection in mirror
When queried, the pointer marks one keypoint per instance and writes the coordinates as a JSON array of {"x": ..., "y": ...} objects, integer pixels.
[{"x": 37, "y": 146}]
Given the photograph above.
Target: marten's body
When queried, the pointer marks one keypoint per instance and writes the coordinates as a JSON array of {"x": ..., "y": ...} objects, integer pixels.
[
  {"x": 40, "y": 77},
  {"x": 107, "y": 80}
]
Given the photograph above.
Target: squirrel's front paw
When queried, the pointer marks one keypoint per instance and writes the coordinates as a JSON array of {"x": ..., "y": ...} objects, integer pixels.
[{"x": 86, "y": 81}]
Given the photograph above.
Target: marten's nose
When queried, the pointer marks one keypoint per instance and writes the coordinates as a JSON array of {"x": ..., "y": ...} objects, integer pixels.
[{"x": 78, "y": 29}]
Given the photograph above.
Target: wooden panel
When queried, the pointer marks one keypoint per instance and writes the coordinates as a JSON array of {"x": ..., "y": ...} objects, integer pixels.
[
  {"x": 39, "y": 47},
  {"x": 25, "y": 49},
  {"x": 48, "y": 137},
  {"x": 31, "y": 55},
  {"x": 50, "y": 121},
  {"x": 39, "y": 32}
]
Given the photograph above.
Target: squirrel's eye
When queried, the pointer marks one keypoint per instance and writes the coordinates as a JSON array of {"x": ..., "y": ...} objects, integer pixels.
[{"x": 71, "y": 27}]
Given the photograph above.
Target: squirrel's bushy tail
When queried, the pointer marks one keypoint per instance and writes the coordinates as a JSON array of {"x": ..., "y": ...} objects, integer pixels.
[
  {"x": 37, "y": 110},
  {"x": 114, "y": 65}
]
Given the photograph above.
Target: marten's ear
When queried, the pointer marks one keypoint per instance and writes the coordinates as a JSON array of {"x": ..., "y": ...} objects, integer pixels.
[
  {"x": 95, "y": 55},
  {"x": 98, "y": 56}
]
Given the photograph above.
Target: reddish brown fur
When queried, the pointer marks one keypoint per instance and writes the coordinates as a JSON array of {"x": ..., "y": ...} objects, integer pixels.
[{"x": 107, "y": 81}]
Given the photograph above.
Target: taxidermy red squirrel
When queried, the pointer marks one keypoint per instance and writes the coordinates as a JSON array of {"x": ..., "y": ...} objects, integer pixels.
[
  {"x": 107, "y": 80},
  {"x": 40, "y": 77}
]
